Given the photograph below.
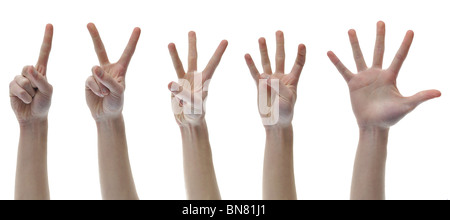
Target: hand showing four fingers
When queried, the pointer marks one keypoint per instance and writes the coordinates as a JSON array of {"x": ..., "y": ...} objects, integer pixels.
[
  {"x": 286, "y": 94},
  {"x": 105, "y": 88},
  {"x": 376, "y": 101},
  {"x": 30, "y": 93}
]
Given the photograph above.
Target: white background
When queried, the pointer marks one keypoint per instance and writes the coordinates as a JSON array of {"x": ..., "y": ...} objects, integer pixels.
[{"x": 326, "y": 133}]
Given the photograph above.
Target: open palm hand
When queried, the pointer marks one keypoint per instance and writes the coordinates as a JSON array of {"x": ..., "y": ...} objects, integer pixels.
[{"x": 376, "y": 100}]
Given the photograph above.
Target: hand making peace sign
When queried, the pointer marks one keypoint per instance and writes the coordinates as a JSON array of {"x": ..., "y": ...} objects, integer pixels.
[{"x": 105, "y": 88}]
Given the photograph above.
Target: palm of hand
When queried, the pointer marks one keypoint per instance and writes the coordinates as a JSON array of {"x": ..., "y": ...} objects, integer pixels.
[{"x": 376, "y": 100}]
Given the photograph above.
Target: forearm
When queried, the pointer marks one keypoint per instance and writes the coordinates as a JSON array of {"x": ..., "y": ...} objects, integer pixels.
[
  {"x": 200, "y": 177},
  {"x": 31, "y": 171},
  {"x": 116, "y": 178},
  {"x": 370, "y": 163},
  {"x": 278, "y": 175}
]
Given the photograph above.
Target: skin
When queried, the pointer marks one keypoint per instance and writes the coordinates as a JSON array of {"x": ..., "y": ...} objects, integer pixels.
[
  {"x": 278, "y": 174},
  {"x": 377, "y": 105},
  {"x": 200, "y": 177},
  {"x": 105, "y": 97},
  {"x": 31, "y": 96}
]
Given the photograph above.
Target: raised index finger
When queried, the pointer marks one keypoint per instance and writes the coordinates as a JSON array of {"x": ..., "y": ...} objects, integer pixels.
[
  {"x": 98, "y": 44},
  {"x": 131, "y": 47},
  {"x": 45, "y": 48}
]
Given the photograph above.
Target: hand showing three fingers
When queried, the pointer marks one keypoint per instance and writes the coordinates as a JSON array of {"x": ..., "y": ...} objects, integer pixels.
[
  {"x": 105, "y": 88},
  {"x": 192, "y": 85},
  {"x": 286, "y": 94},
  {"x": 30, "y": 92},
  {"x": 376, "y": 101}
]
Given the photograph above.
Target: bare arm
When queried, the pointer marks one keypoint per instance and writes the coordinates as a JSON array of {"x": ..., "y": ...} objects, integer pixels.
[
  {"x": 279, "y": 178},
  {"x": 200, "y": 177},
  {"x": 116, "y": 178},
  {"x": 31, "y": 172},
  {"x": 370, "y": 165}
]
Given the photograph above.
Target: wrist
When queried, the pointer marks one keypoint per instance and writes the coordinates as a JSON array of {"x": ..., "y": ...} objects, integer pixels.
[
  {"x": 279, "y": 128},
  {"x": 370, "y": 125},
  {"x": 36, "y": 122},
  {"x": 111, "y": 127},
  {"x": 194, "y": 133},
  {"x": 373, "y": 130},
  {"x": 280, "y": 137},
  {"x": 108, "y": 119},
  {"x": 201, "y": 123},
  {"x": 33, "y": 134},
  {"x": 374, "y": 139}
]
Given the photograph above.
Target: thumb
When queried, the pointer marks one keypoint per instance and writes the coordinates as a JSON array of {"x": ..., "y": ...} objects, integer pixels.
[
  {"x": 37, "y": 80},
  {"x": 422, "y": 97},
  {"x": 178, "y": 91},
  {"x": 108, "y": 81}
]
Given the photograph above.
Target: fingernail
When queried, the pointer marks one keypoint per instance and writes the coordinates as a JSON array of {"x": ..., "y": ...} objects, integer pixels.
[
  {"x": 99, "y": 72},
  {"x": 174, "y": 87},
  {"x": 105, "y": 91},
  {"x": 31, "y": 71}
]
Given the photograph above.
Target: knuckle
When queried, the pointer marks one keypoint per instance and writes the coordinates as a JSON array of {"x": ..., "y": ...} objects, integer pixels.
[
  {"x": 89, "y": 80},
  {"x": 121, "y": 89},
  {"x": 25, "y": 69},
  {"x": 11, "y": 84},
  {"x": 50, "y": 89},
  {"x": 400, "y": 56},
  {"x": 22, "y": 81}
]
